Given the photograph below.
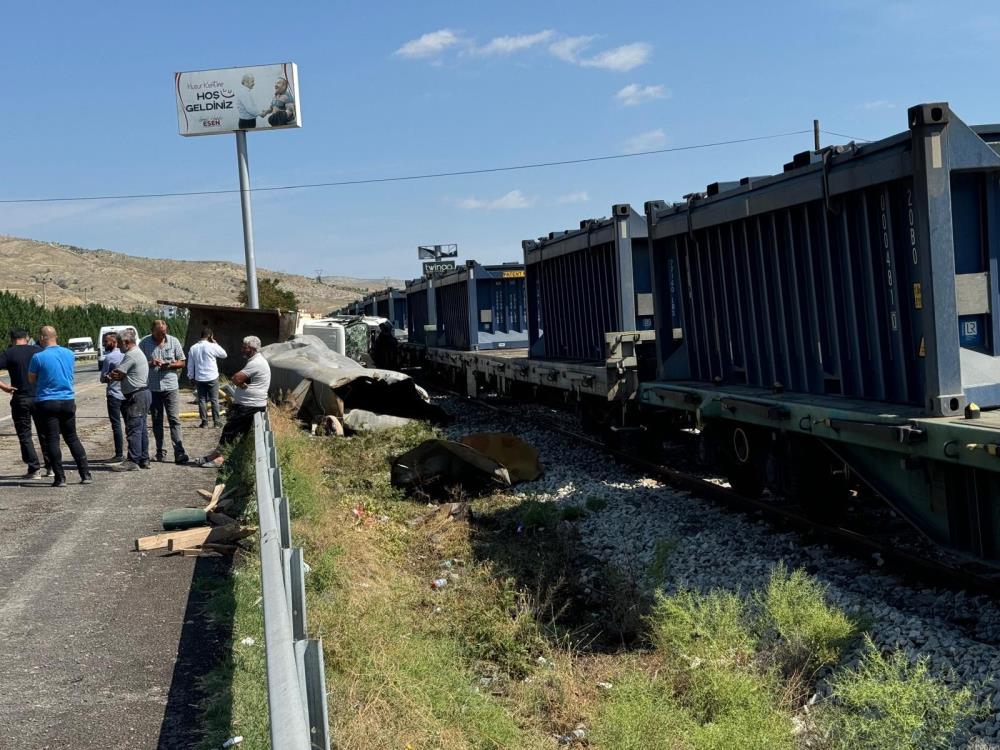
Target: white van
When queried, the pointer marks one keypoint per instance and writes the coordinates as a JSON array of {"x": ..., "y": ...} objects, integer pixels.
[
  {"x": 81, "y": 346},
  {"x": 100, "y": 340}
]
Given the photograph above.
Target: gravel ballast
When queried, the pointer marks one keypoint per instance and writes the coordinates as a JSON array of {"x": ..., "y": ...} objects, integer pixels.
[{"x": 715, "y": 548}]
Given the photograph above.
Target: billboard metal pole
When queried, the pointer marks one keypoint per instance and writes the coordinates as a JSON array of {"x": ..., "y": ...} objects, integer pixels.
[{"x": 241, "y": 157}]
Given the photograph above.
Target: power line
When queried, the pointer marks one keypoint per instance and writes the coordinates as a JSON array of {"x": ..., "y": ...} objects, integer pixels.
[
  {"x": 849, "y": 137},
  {"x": 404, "y": 178}
]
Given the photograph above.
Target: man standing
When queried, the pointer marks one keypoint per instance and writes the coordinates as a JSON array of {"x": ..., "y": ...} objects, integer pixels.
[
  {"x": 51, "y": 372},
  {"x": 114, "y": 396},
  {"x": 165, "y": 356},
  {"x": 246, "y": 108},
  {"x": 15, "y": 360},
  {"x": 133, "y": 373},
  {"x": 252, "y": 384},
  {"x": 203, "y": 371}
]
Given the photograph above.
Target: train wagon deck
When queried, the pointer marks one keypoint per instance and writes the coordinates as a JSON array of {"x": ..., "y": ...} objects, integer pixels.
[{"x": 616, "y": 379}]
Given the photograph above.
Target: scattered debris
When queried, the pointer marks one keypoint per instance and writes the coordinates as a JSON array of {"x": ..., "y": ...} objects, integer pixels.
[
  {"x": 439, "y": 583},
  {"x": 328, "y": 425},
  {"x": 435, "y": 465},
  {"x": 604, "y": 686},
  {"x": 519, "y": 457},
  {"x": 193, "y": 537},
  {"x": 248, "y": 641},
  {"x": 220, "y": 519},
  {"x": 233, "y": 741},
  {"x": 362, "y": 420},
  {"x": 183, "y": 518}
]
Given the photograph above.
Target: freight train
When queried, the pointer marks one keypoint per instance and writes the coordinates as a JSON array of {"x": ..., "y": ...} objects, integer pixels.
[{"x": 830, "y": 330}]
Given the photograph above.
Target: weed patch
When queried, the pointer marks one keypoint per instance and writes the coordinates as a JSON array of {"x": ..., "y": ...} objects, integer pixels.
[{"x": 887, "y": 702}]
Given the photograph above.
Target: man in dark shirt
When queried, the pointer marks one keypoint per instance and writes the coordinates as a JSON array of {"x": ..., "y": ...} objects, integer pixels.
[{"x": 15, "y": 360}]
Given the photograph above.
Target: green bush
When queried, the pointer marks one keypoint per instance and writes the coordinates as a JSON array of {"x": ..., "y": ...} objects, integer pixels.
[
  {"x": 691, "y": 627},
  {"x": 888, "y": 703},
  {"x": 810, "y": 632}
]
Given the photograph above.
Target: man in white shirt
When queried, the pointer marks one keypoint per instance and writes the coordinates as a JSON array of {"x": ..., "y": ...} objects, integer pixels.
[
  {"x": 252, "y": 384},
  {"x": 246, "y": 108},
  {"x": 203, "y": 371}
]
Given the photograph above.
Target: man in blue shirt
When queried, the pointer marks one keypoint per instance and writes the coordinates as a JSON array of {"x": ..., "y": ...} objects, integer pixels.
[
  {"x": 51, "y": 373},
  {"x": 15, "y": 360},
  {"x": 115, "y": 397}
]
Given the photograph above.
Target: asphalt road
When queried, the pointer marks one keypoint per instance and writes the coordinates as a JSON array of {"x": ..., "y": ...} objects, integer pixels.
[{"x": 100, "y": 646}]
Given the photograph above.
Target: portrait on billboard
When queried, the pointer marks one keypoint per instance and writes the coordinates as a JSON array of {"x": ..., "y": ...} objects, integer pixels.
[{"x": 262, "y": 97}]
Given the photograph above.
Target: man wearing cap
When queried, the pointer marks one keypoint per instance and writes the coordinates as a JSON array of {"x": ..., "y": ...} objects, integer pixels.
[
  {"x": 22, "y": 398},
  {"x": 252, "y": 384},
  {"x": 165, "y": 357}
]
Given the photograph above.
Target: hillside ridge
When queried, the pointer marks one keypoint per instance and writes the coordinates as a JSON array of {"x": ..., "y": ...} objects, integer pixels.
[{"x": 61, "y": 274}]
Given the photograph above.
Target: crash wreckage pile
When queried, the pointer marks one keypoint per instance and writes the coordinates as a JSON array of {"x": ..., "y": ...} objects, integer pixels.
[
  {"x": 626, "y": 520},
  {"x": 335, "y": 394}
]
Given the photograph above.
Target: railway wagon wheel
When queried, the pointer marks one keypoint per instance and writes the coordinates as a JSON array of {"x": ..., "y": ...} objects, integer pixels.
[{"x": 741, "y": 452}]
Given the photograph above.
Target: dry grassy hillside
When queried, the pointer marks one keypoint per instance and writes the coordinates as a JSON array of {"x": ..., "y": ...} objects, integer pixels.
[{"x": 73, "y": 276}]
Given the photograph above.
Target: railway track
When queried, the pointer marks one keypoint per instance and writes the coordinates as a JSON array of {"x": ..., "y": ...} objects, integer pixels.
[{"x": 972, "y": 576}]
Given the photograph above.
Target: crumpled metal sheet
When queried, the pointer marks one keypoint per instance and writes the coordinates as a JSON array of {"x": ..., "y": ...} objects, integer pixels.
[
  {"x": 362, "y": 420},
  {"x": 519, "y": 457},
  {"x": 340, "y": 384},
  {"x": 436, "y": 465}
]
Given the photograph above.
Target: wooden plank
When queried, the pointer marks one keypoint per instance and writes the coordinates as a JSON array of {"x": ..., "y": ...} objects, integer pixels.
[
  {"x": 217, "y": 534},
  {"x": 205, "y": 494},
  {"x": 190, "y": 537},
  {"x": 216, "y": 496}
]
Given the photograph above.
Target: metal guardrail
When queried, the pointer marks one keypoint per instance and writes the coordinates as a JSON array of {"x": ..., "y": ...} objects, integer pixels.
[{"x": 296, "y": 686}]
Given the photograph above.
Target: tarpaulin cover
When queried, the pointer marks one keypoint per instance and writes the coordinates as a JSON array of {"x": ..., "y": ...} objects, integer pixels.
[{"x": 339, "y": 384}]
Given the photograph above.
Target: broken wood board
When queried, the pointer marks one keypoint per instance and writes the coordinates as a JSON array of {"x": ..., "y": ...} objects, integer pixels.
[
  {"x": 190, "y": 537},
  {"x": 216, "y": 496}
]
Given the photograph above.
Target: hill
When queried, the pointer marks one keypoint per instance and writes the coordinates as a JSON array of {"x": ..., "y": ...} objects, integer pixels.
[{"x": 68, "y": 275}]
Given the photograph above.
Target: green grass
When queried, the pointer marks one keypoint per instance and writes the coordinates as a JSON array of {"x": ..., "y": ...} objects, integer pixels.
[{"x": 487, "y": 662}]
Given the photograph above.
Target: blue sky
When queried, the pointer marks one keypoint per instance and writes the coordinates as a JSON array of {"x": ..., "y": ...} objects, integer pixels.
[{"x": 396, "y": 88}]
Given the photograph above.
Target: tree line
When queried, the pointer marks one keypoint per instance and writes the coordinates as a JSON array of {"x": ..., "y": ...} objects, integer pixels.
[{"x": 77, "y": 320}]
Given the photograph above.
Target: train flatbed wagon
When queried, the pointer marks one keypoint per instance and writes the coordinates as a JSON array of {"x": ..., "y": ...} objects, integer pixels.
[{"x": 841, "y": 325}]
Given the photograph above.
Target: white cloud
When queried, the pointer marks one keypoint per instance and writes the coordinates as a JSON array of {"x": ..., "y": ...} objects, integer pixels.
[
  {"x": 513, "y": 199},
  {"x": 507, "y": 45},
  {"x": 428, "y": 45},
  {"x": 635, "y": 94},
  {"x": 621, "y": 59},
  {"x": 580, "y": 196},
  {"x": 879, "y": 104},
  {"x": 648, "y": 141},
  {"x": 569, "y": 49}
]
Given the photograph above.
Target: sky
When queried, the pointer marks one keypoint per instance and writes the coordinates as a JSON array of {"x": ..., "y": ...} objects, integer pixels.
[{"x": 393, "y": 89}]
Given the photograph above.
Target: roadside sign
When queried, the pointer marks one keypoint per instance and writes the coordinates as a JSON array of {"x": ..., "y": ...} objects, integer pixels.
[
  {"x": 438, "y": 266},
  {"x": 229, "y": 100},
  {"x": 436, "y": 252}
]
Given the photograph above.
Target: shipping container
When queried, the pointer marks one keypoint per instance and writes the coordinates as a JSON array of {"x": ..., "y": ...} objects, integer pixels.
[
  {"x": 391, "y": 304},
  {"x": 866, "y": 271},
  {"x": 421, "y": 312},
  {"x": 586, "y": 283},
  {"x": 481, "y": 307}
]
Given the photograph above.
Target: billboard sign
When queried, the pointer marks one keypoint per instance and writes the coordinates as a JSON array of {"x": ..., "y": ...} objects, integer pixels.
[
  {"x": 262, "y": 97},
  {"x": 438, "y": 266},
  {"x": 436, "y": 252}
]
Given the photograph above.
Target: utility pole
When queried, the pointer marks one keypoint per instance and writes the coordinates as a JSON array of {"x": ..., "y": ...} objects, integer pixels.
[{"x": 816, "y": 135}]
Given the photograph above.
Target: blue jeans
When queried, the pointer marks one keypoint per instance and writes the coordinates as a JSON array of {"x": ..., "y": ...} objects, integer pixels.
[
  {"x": 136, "y": 408},
  {"x": 208, "y": 390},
  {"x": 115, "y": 406}
]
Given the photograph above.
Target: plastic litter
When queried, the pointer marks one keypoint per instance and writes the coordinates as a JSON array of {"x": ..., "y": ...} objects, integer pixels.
[
  {"x": 248, "y": 641},
  {"x": 439, "y": 583},
  {"x": 233, "y": 741}
]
